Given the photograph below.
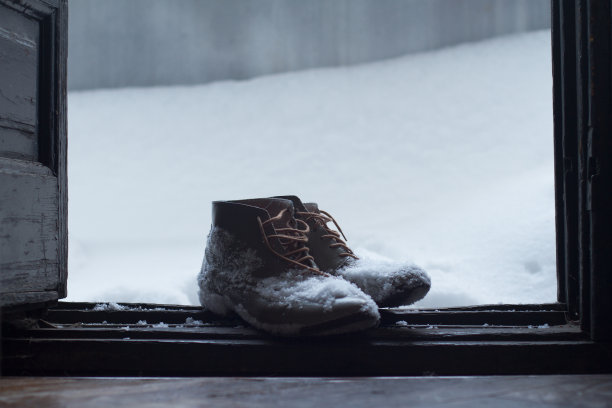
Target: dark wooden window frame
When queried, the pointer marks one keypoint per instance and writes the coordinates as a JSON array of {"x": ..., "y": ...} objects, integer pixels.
[
  {"x": 571, "y": 336},
  {"x": 582, "y": 106}
]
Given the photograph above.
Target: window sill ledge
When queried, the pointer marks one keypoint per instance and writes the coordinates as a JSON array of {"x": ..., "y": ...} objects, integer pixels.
[{"x": 484, "y": 340}]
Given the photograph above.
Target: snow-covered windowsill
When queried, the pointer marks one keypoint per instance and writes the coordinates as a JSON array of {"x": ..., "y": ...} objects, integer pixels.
[{"x": 162, "y": 340}]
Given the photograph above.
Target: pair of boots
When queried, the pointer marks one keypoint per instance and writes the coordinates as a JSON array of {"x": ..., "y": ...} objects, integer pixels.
[{"x": 278, "y": 265}]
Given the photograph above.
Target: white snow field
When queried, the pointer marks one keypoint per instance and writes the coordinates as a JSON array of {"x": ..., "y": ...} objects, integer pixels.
[{"x": 444, "y": 158}]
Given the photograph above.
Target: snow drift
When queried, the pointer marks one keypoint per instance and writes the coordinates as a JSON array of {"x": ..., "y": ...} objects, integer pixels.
[{"x": 442, "y": 158}]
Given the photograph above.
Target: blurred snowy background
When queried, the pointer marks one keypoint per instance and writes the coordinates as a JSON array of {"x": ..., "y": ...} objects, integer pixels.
[{"x": 438, "y": 151}]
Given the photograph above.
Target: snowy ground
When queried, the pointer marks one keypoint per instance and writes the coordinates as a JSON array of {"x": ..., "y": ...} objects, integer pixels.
[{"x": 444, "y": 158}]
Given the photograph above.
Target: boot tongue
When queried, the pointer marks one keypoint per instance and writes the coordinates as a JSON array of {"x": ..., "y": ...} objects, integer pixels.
[
  {"x": 275, "y": 207},
  {"x": 314, "y": 208}
]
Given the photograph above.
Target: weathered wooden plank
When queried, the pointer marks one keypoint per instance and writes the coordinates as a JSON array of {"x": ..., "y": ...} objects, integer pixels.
[
  {"x": 267, "y": 357},
  {"x": 20, "y": 298},
  {"x": 19, "y": 37},
  {"x": 18, "y": 141},
  {"x": 36, "y": 9},
  {"x": 33, "y": 201},
  {"x": 212, "y": 332},
  {"x": 18, "y": 167},
  {"x": 416, "y": 392},
  {"x": 28, "y": 228}
]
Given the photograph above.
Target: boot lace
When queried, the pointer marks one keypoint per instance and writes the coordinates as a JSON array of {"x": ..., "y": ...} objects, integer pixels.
[
  {"x": 293, "y": 240},
  {"x": 323, "y": 217}
]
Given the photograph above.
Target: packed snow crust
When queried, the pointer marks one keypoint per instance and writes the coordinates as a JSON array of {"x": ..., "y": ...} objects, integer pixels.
[
  {"x": 231, "y": 280},
  {"x": 113, "y": 306},
  {"x": 444, "y": 159},
  {"x": 382, "y": 278}
]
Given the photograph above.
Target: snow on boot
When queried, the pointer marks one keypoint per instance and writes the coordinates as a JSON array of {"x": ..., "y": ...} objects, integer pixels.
[
  {"x": 257, "y": 265},
  {"x": 390, "y": 284}
]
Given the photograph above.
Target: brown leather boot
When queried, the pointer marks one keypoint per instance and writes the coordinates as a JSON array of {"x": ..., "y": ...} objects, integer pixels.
[
  {"x": 389, "y": 284},
  {"x": 257, "y": 264}
]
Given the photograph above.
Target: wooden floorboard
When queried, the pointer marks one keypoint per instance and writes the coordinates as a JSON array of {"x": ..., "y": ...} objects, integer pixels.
[{"x": 415, "y": 392}]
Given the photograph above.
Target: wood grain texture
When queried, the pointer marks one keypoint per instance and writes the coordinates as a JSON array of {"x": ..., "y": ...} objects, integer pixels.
[
  {"x": 33, "y": 197},
  {"x": 508, "y": 391},
  {"x": 28, "y": 230},
  {"x": 36, "y": 9},
  {"x": 19, "y": 38},
  {"x": 19, "y": 298}
]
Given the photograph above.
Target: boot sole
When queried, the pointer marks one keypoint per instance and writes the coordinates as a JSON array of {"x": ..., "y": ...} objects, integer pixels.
[
  {"x": 346, "y": 324},
  {"x": 223, "y": 306}
]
